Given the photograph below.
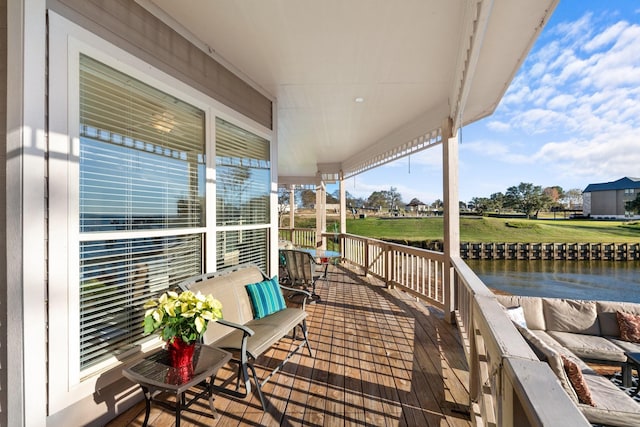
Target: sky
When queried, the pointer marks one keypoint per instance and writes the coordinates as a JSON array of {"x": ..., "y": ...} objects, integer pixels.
[{"x": 571, "y": 116}]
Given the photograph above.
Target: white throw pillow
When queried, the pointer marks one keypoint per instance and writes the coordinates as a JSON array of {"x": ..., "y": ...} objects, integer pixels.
[{"x": 517, "y": 315}]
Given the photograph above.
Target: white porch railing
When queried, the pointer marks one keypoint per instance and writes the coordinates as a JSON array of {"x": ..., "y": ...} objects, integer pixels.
[
  {"x": 302, "y": 237},
  {"x": 417, "y": 271},
  {"x": 508, "y": 385}
]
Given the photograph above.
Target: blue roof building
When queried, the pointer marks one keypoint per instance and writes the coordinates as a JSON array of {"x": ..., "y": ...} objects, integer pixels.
[{"x": 608, "y": 199}]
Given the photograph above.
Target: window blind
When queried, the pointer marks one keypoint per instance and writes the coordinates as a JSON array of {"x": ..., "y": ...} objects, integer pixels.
[
  {"x": 142, "y": 170},
  {"x": 117, "y": 278},
  {"x": 242, "y": 246},
  {"x": 142, "y": 162},
  {"x": 243, "y": 176}
]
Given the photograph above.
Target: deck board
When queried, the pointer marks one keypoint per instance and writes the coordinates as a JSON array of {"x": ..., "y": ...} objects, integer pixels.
[{"x": 381, "y": 358}]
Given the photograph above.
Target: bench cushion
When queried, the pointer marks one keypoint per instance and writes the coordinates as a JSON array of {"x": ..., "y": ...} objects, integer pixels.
[
  {"x": 629, "y": 347},
  {"x": 553, "y": 358},
  {"x": 607, "y": 315},
  {"x": 564, "y": 315},
  {"x": 266, "y": 297},
  {"x": 532, "y": 307},
  {"x": 589, "y": 346},
  {"x": 268, "y": 331},
  {"x": 613, "y": 407}
]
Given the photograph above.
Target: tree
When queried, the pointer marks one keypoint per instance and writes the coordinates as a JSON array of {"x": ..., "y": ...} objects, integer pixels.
[
  {"x": 497, "y": 202},
  {"x": 572, "y": 198},
  {"x": 394, "y": 198},
  {"x": 555, "y": 193},
  {"x": 526, "y": 198},
  {"x": 353, "y": 202},
  {"x": 633, "y": 205},
  {"x": 481, "y": 204},
  {"x": 332, "y": 199},
  {"x": 283, "y": 204},
  {"x": 307, "y": 198},
  {"x": 378, "y": 199}
]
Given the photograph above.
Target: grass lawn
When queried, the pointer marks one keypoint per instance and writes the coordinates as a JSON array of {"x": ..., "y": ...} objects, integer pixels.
[{"x": 498, "y": 230}]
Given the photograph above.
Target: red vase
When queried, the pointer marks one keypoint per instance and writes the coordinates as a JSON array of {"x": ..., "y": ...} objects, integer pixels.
[{"x": 180, "y": 353}]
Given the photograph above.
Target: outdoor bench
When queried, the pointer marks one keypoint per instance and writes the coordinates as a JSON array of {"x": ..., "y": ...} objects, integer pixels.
[
  {"x": 254, "y": 318},
  {"x": 582, "y": 331}
]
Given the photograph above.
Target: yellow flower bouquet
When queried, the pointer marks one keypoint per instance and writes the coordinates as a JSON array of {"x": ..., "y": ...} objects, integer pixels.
[{"x": 185, "y": 315}]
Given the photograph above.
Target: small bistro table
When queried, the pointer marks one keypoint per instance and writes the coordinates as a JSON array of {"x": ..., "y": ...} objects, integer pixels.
[
  {"x": 156, "y": 376},
  {"x": 324, "y": 257},
  {"x": 633, "y": 359}
]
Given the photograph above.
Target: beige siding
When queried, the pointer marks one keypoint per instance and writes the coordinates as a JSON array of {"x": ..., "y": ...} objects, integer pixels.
[{"x": 130, "y": 27}]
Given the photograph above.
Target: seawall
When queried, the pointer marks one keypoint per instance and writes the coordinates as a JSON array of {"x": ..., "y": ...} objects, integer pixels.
[{"x": 539, "y": 251}]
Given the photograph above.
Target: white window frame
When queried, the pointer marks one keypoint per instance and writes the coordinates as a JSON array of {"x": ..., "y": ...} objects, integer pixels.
[{"x": 66, "y": 41}]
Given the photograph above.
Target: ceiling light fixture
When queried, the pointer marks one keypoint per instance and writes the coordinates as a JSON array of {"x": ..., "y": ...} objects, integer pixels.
[{"x": 359, "y": 99}]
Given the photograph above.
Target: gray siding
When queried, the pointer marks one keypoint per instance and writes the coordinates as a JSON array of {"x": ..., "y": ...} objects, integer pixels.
[
  {"x": 3, "y": 212},
  {"x": 130, "y": 27},
  {"x": 609, "y": 202},
  {"x": 603, "y": 203}
]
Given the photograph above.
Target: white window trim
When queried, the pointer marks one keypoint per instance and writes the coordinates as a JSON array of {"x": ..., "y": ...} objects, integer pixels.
[{"x": 67, "y": 40}]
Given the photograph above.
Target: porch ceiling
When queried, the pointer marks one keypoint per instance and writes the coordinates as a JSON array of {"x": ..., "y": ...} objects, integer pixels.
[{"x": 414, "y": 62}]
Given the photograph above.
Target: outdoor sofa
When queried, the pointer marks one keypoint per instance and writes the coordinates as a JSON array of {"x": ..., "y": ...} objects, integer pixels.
[{"x": 567, "y": 333}]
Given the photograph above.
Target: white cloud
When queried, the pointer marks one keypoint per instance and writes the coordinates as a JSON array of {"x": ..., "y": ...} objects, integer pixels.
[
  {"x": 561, "y": 102},
  {"x": 497, "y": 151},
  {"x": 606, "y": 37},
  {"x": 573, "y": 31},
  {"x": 498, "y": 126},
  {"x": 593, "y": 159},
  {"x": 585, "y": 82}
]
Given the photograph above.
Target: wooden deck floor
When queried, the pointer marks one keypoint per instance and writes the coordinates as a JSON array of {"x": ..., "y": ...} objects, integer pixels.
[{"x": 382, "y": 359}]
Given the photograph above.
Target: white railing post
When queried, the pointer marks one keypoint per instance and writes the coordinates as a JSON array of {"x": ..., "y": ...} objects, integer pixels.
[
  {"x": 451, "y": 212},
  {"x": 389, "y": 267},
  {"x": 343, "y": 205},
  {"x": 321, "y": 215},
  {"x": 292, "y": 206}
]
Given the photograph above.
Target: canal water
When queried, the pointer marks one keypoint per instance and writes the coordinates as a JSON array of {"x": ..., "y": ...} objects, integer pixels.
[{"x": 590, "y": 280}]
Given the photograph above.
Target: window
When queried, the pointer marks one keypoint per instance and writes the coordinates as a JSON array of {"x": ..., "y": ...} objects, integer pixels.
[
  {"x": 243, "y": 171},
  {"x": 131, "y": 202},
  {"x": 141, "y": 204}
]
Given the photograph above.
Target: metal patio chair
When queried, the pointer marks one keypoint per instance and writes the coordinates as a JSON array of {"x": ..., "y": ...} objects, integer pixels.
[{"x": 302, "y": 270}]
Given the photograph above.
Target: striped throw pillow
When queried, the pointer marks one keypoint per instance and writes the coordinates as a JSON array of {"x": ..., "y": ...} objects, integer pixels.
[{"x": 266, "y": 297}]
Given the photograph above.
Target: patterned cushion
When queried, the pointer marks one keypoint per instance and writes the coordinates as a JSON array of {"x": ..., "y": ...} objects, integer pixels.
[
  {"x": 629, "y": 325},
  {"x": 577, "y": 381},
  {"x": 552, "y": 357},
  {"x": 266, "y": 297}
]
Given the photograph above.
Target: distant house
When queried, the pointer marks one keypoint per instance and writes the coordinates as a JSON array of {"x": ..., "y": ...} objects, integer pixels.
[
  {"x": 607, "y": 199},
  {"x": 416, "y": 205}
]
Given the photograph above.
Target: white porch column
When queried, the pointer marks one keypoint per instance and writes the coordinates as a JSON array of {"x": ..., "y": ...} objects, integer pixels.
[
  {"x": 321, "y": 214},
  {"x": 451, "y": 213},
  {"x": 23, "y": 386},
  {"x": 292, "y": 206},
  {"x": 343, "y": 205}
]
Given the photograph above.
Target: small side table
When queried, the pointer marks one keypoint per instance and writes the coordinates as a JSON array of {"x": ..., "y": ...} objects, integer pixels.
[
  {"x": 633, "y": 362},
  {"x": 155, "y": 375}
]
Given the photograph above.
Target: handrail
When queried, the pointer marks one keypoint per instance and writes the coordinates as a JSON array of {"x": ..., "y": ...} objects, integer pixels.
[
  {"x": 416, "y": 271},
  {"x": 508, "y": 384}
]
